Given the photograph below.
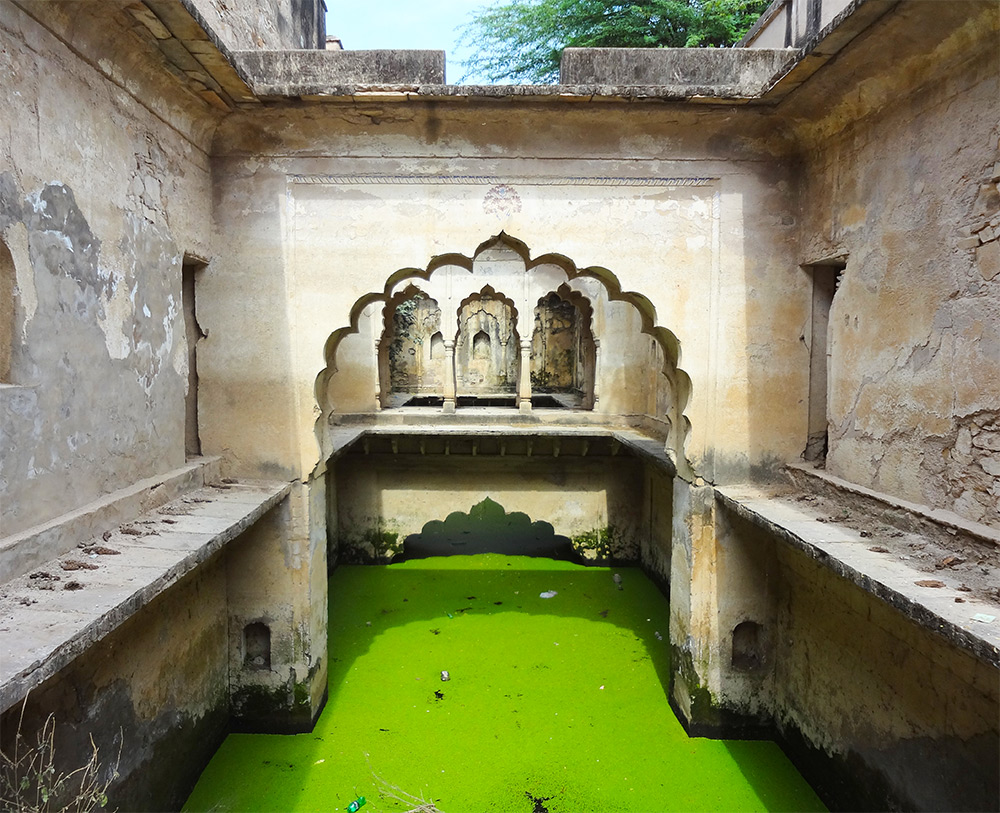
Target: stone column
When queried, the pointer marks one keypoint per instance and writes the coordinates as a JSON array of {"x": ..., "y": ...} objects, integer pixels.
[
  {"x": 524, "y": 379},
  {"x": 449, "y": 376},
  {"x": 378, "y": 377},
  {"x": 597, "y": 373}
]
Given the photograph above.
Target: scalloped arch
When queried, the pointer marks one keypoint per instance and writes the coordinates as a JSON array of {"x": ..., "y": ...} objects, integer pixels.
[{"x": 668, "y": 341}]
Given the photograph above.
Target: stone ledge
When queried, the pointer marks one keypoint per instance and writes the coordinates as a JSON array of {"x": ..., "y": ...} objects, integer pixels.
[
  {"x": 641, "y": 445},
  {"x": 45, "y": 624},
  {"x": 950, "y": 522},
  {"x": 848, "y": 554},
  {"x": 27, "y": 549}
]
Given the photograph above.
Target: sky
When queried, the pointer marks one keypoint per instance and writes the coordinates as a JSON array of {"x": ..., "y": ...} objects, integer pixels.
[{"x": 403, "y": 24}]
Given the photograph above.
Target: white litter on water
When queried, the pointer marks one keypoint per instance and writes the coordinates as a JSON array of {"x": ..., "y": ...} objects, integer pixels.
[{"x": 548, "y": 594}]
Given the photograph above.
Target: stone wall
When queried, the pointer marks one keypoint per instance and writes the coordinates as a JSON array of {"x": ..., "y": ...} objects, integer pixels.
[
  {"x": 339, "y": 204},
  {"x": 100, "y": 200},
  {"x": 155, "y": 691},
  {"x": 596, "y": 502},
  {"x": 901, "y": 183},
  {"x": 272, "y": 25},
  {"x": 105, "y": 197},
  {"x": 878, "y": 711}
]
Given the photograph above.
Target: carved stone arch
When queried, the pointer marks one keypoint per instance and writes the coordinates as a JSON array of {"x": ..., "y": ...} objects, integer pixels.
[
  {"x": 333, "y": 341},
  {"x": 674, "y": 419},
  {"x": 678, "y": 425},
  {"x": 487, "y": 345}
]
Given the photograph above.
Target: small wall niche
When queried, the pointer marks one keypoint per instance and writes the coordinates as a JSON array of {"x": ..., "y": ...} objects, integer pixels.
[
  {"x": 826, "y": 280},
  {"x": 748, "y": 646},
  {"x": 8, "y": 287},
  {"x": 190, "y": 269},
  {"x": 257, "y": 646}
]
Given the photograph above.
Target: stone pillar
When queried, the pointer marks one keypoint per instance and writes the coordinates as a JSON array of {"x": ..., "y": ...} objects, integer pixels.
[
  {"x": 449, "y": 376},
  {"x": 378, "y": 377},
  {"x": 524, "y": 378},
  {"x": 597, "y": 374},
  {"x": 694, "y": 680},
  {"x": 286, "y": 693}
]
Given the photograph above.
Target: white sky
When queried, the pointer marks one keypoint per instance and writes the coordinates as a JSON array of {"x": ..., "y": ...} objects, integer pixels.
[{"x": 403, "y": 24}]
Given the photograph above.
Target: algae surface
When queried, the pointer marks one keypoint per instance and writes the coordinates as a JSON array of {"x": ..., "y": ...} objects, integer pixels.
[{"x": 555, "y": 704}]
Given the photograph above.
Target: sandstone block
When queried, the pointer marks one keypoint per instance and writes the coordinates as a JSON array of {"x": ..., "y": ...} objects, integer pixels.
[
  {"x": 987, "y": 440},
  {"x": 988, "y": 260},
  {"x": 963, "y": 444}
]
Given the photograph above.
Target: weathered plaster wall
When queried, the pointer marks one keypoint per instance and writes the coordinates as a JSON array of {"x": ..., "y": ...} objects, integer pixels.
[
  {"x": 878, "y": 711},
  {"x": 156, "y": 689},
  {"x": 896, "y": 179},
  {"x": 910, "y": 720},
  {"x": 104, "y": 188},
  {"x": 579, "y": 497},
  {"x": 274, "y": 25},
  {"x": 277, "y": 577},
  {"x": 99, "y": 200},
  {"x": 334, "y": 199}
]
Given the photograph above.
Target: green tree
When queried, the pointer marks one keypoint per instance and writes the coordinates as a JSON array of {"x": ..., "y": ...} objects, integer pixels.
[{"x": 523, "y": 40}]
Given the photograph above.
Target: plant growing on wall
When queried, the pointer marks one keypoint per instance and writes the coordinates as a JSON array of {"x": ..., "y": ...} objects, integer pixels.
[
  {"x": 599, "y": 543},
  {"x": 384, "y": 543},
  {"x": 523, "y": 40},
  {"x": 30, "y": 782}
]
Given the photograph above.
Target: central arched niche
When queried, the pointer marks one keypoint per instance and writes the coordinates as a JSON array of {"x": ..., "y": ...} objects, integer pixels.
[
  {"x": 487, "y": 348},
  {"x": 622, "y": 362}
]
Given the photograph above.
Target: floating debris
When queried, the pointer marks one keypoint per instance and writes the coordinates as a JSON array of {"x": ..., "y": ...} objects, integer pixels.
[
  {"x": 618, "y": 581},
  {"x": 444, "y": 675},
  {"x": 357, "y": 804},
  {"x": 548, "y": 594}
]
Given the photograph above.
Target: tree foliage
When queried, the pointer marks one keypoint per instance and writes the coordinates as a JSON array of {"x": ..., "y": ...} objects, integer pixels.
[{"x": 523, "y": 40}]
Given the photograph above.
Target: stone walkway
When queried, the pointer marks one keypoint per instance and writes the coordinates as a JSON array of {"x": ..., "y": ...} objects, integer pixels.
[{"x": 55, "y": 612}]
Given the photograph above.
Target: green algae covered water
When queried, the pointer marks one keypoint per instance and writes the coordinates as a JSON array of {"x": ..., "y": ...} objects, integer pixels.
[{"x": 554, "y": 704}]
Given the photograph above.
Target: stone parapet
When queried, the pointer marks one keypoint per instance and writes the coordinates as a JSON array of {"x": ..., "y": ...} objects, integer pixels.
[
  {"x": 714, "y": 72},
  {"x": 314, "y": 72}
]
